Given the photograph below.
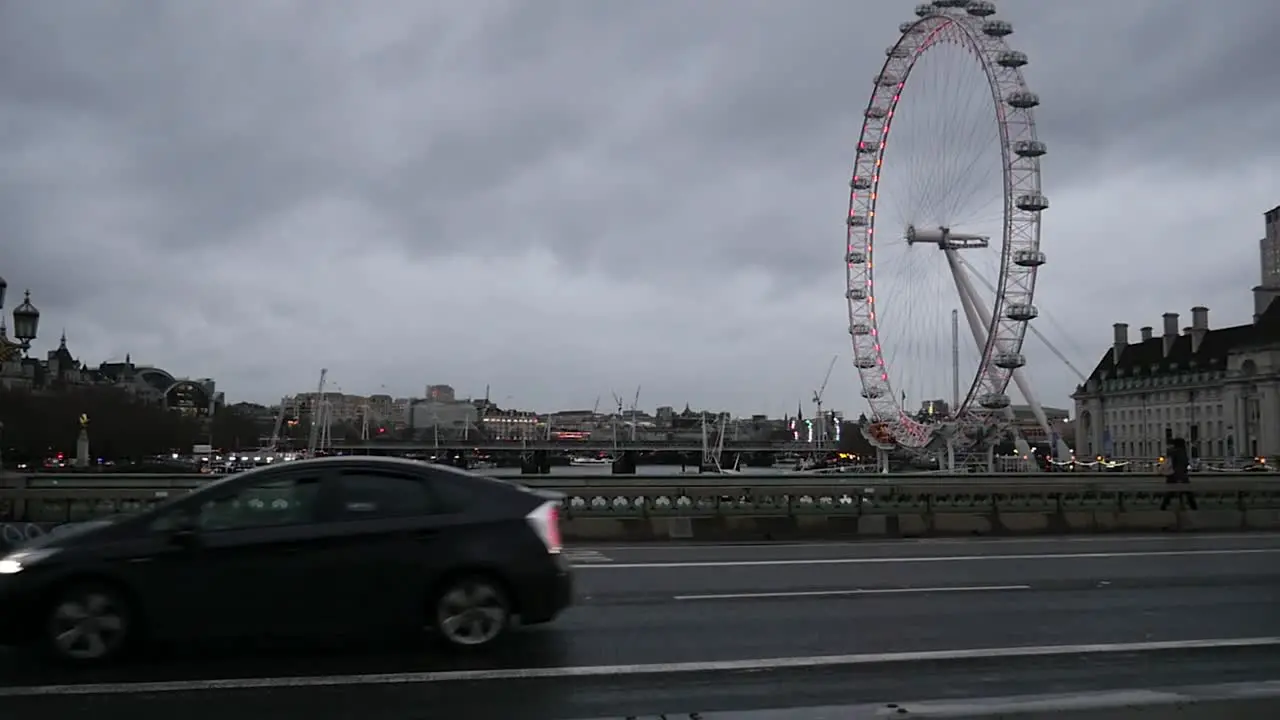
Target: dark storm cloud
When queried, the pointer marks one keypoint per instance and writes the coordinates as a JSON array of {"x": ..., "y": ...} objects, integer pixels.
[{"x": 405, "y": 192}]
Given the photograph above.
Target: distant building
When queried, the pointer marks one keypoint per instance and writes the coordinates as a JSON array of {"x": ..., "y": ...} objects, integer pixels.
[
  {"x": 511, "y": 425},
  {"x": 1268, "y": 288},
  {"x": 1028, "y": 426},
  {"x": 446, "y": 416},
  {"x": 440, "y": 393},
  {"x": 1219, "y": 389},
  {"x": 60, "y": 371},
  {"x": 931, "y": 409}
]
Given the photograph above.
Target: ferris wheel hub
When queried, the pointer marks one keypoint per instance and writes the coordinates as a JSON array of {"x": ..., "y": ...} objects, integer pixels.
[{"x": 945, "y": 238}]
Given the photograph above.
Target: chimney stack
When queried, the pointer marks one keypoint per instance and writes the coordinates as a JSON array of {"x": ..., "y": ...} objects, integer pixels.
[
  {"x": 1199, "y": 326},
  {"x": 1146, "y": 333},
  {"x": 1121, "y": 341},
  {"x": 1170, "y": 331}
]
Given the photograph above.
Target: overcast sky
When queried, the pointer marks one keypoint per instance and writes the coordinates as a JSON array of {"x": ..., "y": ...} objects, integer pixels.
[{"x": 562, "y": 199}]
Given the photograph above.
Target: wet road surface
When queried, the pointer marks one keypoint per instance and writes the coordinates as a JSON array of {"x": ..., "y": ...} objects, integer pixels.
[{"x": 681, "y": 628}]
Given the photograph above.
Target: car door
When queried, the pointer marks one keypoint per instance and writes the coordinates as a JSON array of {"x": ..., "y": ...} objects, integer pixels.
[
  {"x": 394, "y": 535},
  {"x": 251, "y": 566}
]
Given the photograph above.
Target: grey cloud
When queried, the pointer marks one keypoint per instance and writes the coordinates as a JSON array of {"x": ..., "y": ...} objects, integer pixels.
[{"x": 567, "y": 197}]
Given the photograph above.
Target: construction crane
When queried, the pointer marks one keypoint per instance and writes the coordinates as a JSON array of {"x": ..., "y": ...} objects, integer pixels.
[
  {"x": 817, "y": 400},
  {"x": 317, "y": 408},
  {"x": 274, "y": 444},
  {"x": 635, "y": 403},
  {"x": 617, "y": 417},
  {"x": 480, "y": 413}
]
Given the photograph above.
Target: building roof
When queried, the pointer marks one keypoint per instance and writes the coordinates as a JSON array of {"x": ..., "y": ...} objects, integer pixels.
[{"x": 1146, "y": 358}]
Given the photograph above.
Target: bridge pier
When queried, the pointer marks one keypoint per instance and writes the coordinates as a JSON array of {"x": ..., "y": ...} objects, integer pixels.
[
  {"x": 626, "y": 463},
  {"x": 461, "y": 460},
  {"x": 537, "y": 462}
]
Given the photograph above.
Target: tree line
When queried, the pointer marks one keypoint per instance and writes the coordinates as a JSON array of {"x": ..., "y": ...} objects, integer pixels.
[{"x": 122, "y": 428}]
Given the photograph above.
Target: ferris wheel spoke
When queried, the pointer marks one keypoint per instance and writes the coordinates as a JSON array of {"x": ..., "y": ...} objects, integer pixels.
[
  {"x": 945, "y": 138},
  {"x": 952, "y": 117}
]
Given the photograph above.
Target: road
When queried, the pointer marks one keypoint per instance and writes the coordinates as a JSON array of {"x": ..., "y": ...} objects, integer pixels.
[{"x": 681, "y": 628}]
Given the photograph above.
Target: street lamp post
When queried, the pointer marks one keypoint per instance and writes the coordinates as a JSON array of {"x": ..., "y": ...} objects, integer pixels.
[{"x": 26, "y": 318}]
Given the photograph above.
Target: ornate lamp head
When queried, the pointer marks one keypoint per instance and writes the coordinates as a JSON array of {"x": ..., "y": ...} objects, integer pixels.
[{"x": 26, "y": 321}]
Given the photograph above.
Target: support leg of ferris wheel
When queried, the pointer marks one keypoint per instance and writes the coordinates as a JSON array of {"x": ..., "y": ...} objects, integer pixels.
[
  {"x": 1061, "y": 452},
  {"x": 979, "y": 320}
]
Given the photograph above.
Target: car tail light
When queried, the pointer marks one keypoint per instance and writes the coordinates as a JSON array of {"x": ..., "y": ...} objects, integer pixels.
[{"x": 545, "y": 521}]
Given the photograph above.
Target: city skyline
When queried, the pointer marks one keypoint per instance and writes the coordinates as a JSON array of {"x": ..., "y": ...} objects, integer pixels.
[{"x": 565, "y": 201}]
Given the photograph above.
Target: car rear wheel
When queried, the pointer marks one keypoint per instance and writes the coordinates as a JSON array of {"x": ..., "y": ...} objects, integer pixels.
[
  {"x": 472, "y": 612},
  {"x": 87, "y": 623}
]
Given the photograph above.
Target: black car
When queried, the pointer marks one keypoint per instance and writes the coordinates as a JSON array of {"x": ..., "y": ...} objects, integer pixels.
[{"x": 326, "y": 547}]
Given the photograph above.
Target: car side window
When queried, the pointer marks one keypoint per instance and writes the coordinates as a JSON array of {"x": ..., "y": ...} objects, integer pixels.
[
  {"x": 274, "y": 503},
  {"x": 378, "y": 494}
]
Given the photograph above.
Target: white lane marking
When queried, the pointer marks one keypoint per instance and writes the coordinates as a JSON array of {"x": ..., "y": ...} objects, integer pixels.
[
  {"x": 576, "y": 555},
  {"x": 588, "y": 671},
  {"x": 1133, "y": 702},
  {"x": 864, "y": 591},
  {"x": 930, "y": 559},
  {"x": 693, "y": 547}
]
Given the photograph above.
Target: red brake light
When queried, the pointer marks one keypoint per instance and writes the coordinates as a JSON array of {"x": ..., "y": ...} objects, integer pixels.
[
  {"x": 553, "y": 529},
  {"x": 545, "y": 521}
]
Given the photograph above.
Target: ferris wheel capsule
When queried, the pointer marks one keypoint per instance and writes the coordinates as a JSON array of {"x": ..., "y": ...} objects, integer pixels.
[
  {"x": 1023, "y": 99},
  {"x": 997, "y": 28},
  {"x": 981, "y": 8},
  {"x": 1029, "y": 258},
  {"x": 1032, "y": 202},
  {"x": 887, "y": 80},
  {"x": 1030, "y": 148},
  {"x": 1022, "y": 312},
  {"x": 1012, "y": 59},
  {"x": 1010, "y": 361},
  {"x": 994, "y": 401}
]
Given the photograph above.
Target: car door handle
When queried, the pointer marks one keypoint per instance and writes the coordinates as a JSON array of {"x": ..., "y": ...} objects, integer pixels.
[{"x": 424, "y": 534}]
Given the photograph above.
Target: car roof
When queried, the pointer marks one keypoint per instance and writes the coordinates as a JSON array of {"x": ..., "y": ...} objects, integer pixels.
[
  {"x": 340, "y": 460},
  {"x": 366, "y": 460}
]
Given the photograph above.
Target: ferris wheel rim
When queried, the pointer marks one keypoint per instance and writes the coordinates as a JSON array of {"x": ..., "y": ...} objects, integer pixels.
[{"x": 1020, "y": 227}]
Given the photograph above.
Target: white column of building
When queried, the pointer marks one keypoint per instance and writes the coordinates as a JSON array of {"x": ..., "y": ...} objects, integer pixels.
[
  {"x": 1269, "y": 422},
  {"x": 1236, "y": 410}
]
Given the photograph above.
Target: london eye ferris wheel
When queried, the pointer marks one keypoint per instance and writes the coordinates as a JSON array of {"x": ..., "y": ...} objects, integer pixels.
[{"x": 944, "y": 224}]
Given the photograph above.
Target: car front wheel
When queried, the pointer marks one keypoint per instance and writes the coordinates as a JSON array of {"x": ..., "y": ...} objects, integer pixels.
[
  {"x": 472, "y": 612},
  {"x": 87, "y": 623}
]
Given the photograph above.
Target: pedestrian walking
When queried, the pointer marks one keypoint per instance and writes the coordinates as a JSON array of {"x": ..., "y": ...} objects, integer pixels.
[{"x": 1176, "y": 470}]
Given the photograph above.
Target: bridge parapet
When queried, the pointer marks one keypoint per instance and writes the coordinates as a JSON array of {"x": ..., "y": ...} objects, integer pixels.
[{"x": 734, "y": 507}]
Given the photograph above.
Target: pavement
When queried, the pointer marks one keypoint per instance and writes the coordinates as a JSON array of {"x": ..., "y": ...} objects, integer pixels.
[{"x": 705, "y": 628}]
